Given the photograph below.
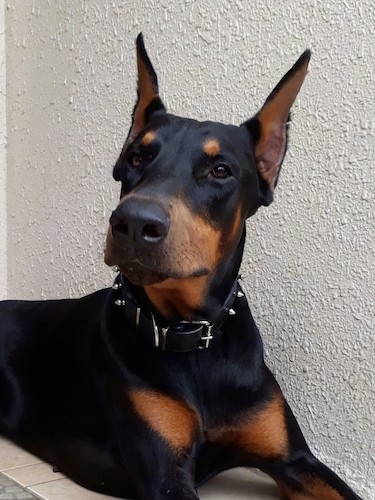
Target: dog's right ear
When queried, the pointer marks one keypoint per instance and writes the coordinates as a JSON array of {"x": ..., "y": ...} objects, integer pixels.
[{"x": 148, "y": 102}]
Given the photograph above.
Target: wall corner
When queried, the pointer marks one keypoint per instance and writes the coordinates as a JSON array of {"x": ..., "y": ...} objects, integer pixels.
[{"x": 3, "y": 164}]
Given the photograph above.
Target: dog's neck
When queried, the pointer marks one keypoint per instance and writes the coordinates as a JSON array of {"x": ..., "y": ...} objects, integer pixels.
[{"x": 197, "y": 297}]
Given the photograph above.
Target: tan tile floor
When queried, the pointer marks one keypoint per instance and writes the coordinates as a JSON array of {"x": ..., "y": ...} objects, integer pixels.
[{"x": 38, "y": 478}]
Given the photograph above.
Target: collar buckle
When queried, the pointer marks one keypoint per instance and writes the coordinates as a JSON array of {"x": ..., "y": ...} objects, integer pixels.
[
  {"x": 207, "y": 332},
  {"x": 183, "y": 336},
  {"x": 207, "y": 336},
  {"x": 204, "y": 341}
]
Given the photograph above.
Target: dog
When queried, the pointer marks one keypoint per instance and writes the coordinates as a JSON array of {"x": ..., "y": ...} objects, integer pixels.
[{"x": 148, "y": 389}]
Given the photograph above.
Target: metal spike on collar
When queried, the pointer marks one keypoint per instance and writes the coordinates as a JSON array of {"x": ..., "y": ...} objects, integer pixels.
[
  {"x": 120, "y": 302},
  {"x": 240, "y": 294},
  {"x": 231, "y": 312},
  {"x": 115, "y": 269},
  {"x": 116, "y": 286},
  {"x": 137, "y": 316}
]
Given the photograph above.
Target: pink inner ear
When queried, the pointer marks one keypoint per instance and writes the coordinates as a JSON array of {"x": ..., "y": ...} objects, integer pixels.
[
  {"x": 270, "y": 152},
  {"x": 273, "y": 118}
]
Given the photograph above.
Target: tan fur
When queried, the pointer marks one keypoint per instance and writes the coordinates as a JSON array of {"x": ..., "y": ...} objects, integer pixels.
[
  {"x": 148, "y": 138},
  {"x": 236, "y": 230},
  {"x": 192, "y": 244},
  {"x": 211, "y": 147},
  {"x": 147, "y": 93},
  {"x": 263, "y": 433},
  {"x": 323, "y": 490},
  {"x": 174, "y": 420},
  {"x": 109, "y": 257},
  {"x": 178, "y": 296},
  {"x": 315, "y": 490}
]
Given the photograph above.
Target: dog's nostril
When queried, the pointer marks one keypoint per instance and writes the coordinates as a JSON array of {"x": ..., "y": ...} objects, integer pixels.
[
  {"x": 151, "y": 232},
  {"x": 122, "y": 228},
  {"x": 136, "y": 223}
]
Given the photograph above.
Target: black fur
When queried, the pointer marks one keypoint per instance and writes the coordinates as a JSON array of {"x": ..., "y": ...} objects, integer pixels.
[{"x": 69, "y": 369}]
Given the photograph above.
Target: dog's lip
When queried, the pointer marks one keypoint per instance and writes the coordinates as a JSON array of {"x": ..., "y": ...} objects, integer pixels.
[{"x": 140, "y": 275}]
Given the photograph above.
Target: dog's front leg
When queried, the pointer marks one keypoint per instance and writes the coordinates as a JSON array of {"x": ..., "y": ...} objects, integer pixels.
[
  {"x": 270, "y": 439},
  {"x": 157, "y": 438},
  {"x": 165, "y": 480},
  {"x": 159, "y": 473}
]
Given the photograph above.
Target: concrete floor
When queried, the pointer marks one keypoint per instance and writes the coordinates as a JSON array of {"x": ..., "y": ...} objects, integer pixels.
[{"x": 24, "y": 477}]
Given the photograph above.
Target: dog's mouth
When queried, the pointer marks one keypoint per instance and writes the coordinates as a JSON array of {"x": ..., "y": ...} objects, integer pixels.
[
  {"x": 148, "y": 268},
  {"x": 141, "y": 276}
]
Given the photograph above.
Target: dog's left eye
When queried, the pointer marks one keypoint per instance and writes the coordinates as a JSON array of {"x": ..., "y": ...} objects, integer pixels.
[
  {"x": 221, "y": 172},
  {"x": 134, "y": 160}
]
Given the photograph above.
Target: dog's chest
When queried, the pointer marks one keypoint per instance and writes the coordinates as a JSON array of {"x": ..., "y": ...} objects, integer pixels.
[{"x": 186, "y": 403}]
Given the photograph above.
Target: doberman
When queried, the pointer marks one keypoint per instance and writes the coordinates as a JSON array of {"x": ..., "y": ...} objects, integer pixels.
[{"x": 150, "y": 388}]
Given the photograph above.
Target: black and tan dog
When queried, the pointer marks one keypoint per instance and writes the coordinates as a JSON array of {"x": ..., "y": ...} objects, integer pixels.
[{"x": 150, "y": 388}]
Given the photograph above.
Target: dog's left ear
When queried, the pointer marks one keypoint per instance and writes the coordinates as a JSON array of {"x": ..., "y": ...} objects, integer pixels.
[{"x": 269, "y": 127}]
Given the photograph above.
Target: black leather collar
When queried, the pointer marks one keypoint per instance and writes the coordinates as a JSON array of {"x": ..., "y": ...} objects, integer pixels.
[{"x": 183, "y": 336}]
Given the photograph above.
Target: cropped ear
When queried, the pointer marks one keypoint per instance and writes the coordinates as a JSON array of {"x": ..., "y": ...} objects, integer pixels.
[
  {"x": 148, "y": 101},
  {"x": 269, "y": 127}
]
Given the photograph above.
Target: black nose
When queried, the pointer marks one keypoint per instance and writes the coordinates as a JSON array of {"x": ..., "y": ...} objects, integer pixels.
[{"x": 139, "y": 222}]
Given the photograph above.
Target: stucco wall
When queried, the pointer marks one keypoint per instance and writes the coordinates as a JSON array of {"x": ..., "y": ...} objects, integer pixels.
[
  {"x": 3, "y": 218},
  {"x": 309, "y": 266}
]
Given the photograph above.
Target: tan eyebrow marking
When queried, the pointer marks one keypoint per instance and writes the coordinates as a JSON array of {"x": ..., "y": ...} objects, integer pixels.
[
  {"x": 148, "y": 138},
  {"x": 211, "y": 147}
]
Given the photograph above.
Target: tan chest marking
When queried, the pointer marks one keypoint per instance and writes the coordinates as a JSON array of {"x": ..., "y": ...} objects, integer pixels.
[
  {"x": 178, "y": 296},
  {"x": 174, "y": 420},
  {"x": 263, "y": 434}
]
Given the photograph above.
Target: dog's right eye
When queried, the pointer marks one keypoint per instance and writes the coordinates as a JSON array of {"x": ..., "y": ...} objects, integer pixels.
[
  {"x": 134, "y": 160},
  {"x": 221, "y": 171}
]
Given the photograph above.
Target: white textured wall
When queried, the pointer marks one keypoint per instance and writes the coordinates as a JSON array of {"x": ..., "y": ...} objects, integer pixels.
[
  {"x": 309, "y": 264},
  {"x": 3, "y": 217}
]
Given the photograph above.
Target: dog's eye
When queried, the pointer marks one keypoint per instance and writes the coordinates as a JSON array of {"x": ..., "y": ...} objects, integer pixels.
[
  {"x": 221, "y": 172},
  {"x": 134, "y": 160}
]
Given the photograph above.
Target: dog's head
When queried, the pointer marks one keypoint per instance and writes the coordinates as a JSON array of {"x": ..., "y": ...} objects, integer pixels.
[{"x": 188, "y": 186}]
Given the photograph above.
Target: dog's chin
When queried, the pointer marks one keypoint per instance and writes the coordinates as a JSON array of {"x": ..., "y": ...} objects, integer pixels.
[{"x": 143, "y": 276}]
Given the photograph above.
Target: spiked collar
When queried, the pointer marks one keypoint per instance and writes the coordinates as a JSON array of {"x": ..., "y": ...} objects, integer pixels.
[{"x": 182, "y": 336}]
